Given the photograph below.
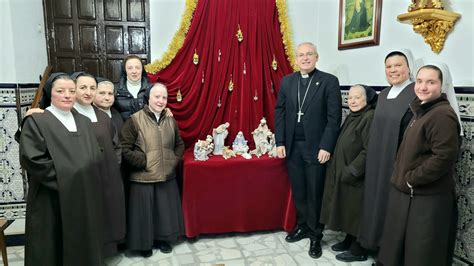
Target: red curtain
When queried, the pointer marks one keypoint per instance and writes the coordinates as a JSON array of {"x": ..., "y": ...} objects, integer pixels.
[{"x": 212, "y": 35}]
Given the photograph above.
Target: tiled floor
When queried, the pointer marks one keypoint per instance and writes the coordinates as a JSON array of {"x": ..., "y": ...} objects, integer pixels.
[{"x": 261, "y": 248}]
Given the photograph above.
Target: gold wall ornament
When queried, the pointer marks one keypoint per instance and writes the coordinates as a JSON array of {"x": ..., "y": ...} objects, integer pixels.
[
  {"x": 424, "y": 4},
  {"x": 240, "y": 35},
  {"x": 231, "y": 84},
  {"x": 179, "y": 96},
  {"x": 195, "y": 57},
  {"x": 429, "y": 19},
  {"x": 274, "y": 64}
]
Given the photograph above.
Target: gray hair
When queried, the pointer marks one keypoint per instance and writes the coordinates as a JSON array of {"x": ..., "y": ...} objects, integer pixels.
[
  {"x": 158, "y": 85},
  {"x": 307, "y": 43},
  {"x": 105, "y": 83},
  {"x": 358, "y": 86}
]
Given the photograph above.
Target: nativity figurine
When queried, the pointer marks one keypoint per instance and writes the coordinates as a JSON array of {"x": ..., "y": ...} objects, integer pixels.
[
  {"x": 240, "y": 144},
  {"x": 227, "y": 153},
  {"x": 219, "y": 135},
  {"x": 260, "y": 136},
  {"x": 203, "y": 148},
  {"x": 272, "y": 149}
]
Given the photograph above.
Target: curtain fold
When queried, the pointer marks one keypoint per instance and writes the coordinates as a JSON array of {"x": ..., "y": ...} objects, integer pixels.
[{"x": 222, "y": 58}]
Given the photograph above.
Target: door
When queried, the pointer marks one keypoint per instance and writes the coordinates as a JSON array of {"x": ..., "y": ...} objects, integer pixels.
[{"x": 95, "y": 35}]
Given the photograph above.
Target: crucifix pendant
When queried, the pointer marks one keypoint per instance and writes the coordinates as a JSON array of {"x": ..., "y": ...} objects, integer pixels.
[{"x": 300, "y": 114}]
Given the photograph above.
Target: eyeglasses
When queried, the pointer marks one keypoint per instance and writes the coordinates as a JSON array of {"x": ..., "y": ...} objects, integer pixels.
[{"x": 308, "y": 54}]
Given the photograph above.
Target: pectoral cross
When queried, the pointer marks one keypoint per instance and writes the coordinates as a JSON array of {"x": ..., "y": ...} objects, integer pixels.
[{"x": 300, "y": 114}]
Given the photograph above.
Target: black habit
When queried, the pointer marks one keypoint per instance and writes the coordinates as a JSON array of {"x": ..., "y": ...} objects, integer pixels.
[
  {"x": 390, "y": 120},
  {"x": 318, "y": 129},
  {"x": 63, "y": 217},
  {"x": 113, "y": 197},
  {"x": 117, "y": 120},
  {"x": 344, "y": 188}
]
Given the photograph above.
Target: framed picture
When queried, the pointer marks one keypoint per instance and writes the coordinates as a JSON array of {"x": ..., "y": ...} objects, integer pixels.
[{"x": 359, "y": 23}]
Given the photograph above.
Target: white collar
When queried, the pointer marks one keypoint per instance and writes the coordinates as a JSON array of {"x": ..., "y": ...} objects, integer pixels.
[
  {"x": 395, "y": 90},
  {"x": 65, "y": 117},
  {"x": 86, "y": 110},
  {"x": 108, "y": 112}
]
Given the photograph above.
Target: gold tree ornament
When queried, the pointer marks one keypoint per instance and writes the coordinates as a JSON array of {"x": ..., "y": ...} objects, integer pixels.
[
  {"x": 239, "y": 35},
  {"x": 274, "y": 64},
  {"x": 429, "y": 19},
  {"x": 179, "y": 96},
  {"x": 195, "y": 57},
  {"x": 231, "y": 84}
]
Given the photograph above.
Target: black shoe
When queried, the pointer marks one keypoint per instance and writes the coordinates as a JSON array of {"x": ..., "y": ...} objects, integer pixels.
[
  {"x": 146, "y": 253},
  {"x": 163, "y": 247},
  {"x": 121, "y": 247},
  {"x": 297, "y": 235},
  {"x": 315, "y": 250},
  {"x": 341, "y": 246},
  {"x": 347, "y": 256}
]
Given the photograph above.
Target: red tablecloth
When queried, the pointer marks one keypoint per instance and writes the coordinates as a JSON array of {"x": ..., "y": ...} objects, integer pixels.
[{"x": 236, "y": 195}]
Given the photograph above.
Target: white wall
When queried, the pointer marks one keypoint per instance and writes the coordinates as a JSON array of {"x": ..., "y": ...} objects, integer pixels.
[
  {"x": 29, "y": 39},
  {"x": 23, "y": 47},
  {"x": 365, "y": 65},
  {"x": 7, "y": 63},
  {"x": 24, "y": 56},
  {"x": 317, "y": 21},
  {"x": 165, "y": 17}
]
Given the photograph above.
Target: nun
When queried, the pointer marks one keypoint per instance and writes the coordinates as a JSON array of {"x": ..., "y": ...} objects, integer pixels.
[
  {"x": 152, "y": 147},
  {"x": 130, "y": 91},
  {"x": 391, "y": 117},
  {"x": 113, "y": 196},
  {"x": 60, "y": 153},
  {"x": 344, "y": 187},
  {"x": 104, "y": 99},
  {"x": 421, "y": 212}
]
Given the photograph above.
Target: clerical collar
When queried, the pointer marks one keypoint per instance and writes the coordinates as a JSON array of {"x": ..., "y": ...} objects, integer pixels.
[
  {"x": 307, "y": 75},
  {"x": 65, "y": 117},
  {"x": 397, "y": 89},
  {"x": 86, "y": 110}
]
